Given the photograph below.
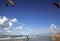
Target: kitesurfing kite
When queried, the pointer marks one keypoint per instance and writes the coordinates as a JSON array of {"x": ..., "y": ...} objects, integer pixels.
[
  {"x": 9, "y": 1},
  {"x": 56, "y": 4}
]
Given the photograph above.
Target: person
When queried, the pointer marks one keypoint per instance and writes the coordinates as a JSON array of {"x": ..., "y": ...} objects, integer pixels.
[{"x": 27, "y": 38}]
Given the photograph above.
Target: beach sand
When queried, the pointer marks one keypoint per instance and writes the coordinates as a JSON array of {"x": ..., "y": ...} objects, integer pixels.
[
  {"x": 14, "y": 40},
  {"x": 38, "y": 38}
]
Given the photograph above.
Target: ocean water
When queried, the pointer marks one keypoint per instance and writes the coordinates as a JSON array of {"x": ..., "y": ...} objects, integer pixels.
[{"x": 37, "y": 38}]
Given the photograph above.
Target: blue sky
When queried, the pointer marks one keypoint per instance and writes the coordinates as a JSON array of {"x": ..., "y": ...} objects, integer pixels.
[{"x": 33, "y": 13}]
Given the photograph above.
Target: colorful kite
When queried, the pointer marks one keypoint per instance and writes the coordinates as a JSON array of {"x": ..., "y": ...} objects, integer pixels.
[
  {"x": 56, "y": 4},
  {"x": 9, "y": 1}
]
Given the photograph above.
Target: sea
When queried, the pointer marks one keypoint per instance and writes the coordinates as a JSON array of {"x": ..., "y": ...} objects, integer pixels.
[{"x": 31, "y": 38}]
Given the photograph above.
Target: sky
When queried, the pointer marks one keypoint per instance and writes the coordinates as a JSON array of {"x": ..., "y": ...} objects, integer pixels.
[{"x": 30, "y": 15}]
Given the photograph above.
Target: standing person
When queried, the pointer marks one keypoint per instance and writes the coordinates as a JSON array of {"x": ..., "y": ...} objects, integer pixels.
[{"x": 27, "y": 38}]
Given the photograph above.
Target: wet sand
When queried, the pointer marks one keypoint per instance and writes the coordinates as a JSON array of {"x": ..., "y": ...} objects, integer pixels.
[{"x": 14, "y": 40}]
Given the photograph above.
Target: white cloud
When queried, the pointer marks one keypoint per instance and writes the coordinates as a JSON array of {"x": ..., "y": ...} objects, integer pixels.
[
  {"x": 14, "y": 20},
  {"x": 10, "y": 24},
  {"x": 53, "y": 27},
  {"x": 24, "y": 33},
  {"x": 3, "y": 20},
  {"x": 7, "y": 24},
  {"x": 43, "y": 31},
  {"x": 30, "y": 30},
  {"x": 7, "y": 30},
  {"x": 19, "y": 28}
]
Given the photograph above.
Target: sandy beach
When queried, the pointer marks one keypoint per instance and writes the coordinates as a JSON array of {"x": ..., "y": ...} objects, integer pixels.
[
  {"x": 14, "y": 40},
  {"x": 38, "y": 38}
]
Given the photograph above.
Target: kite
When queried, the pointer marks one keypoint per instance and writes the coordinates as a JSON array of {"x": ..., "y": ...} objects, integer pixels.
[
  {"x": 9, "y": 1},
  {"x": 56, "y": 4}
]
